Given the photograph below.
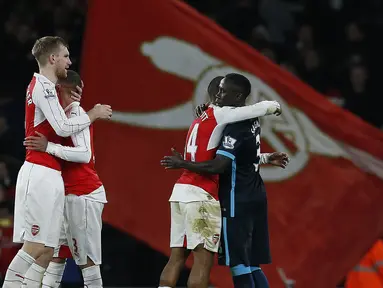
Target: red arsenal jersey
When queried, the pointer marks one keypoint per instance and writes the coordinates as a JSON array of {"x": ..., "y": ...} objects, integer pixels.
[{"x": 44, "y": 114}]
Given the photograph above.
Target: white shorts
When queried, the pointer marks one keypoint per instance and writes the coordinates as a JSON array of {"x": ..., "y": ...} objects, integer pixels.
[
  {"x": 39, "y": 205},
  {"x": 199, "y": 222},
  {"x": 81, "y": 230}
]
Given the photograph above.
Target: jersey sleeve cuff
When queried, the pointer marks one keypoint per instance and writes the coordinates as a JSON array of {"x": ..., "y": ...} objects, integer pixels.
[
  {"x": 226, "y": 154},
  {"x": 264, "y": 158},
  {"x": 51, "y": 149}
]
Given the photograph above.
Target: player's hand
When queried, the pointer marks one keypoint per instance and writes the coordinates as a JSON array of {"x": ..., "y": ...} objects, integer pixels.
[
  {"x": 200, "y": 109},
  {"x": 172, "y": 162},
  {"x": 273, "y": 108},
  {"x": 37, "y": 143},
  {"x": 100, "y": 112},
  {"x": 76, "y": 95},
  {"x": 278, "y": 111},
  {"x": 279, "y": 159}
]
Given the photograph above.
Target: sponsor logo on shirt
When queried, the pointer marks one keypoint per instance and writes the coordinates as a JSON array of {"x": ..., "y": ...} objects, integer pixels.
[
  {"x": 228, "y": 142},
  {"x": 49, "y": 93}
]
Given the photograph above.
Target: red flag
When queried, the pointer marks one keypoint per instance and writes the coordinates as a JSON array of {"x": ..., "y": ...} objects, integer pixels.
[{"x": 152, "y": 61}]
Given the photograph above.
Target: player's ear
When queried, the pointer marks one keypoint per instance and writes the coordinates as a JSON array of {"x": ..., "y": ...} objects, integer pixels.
[{"x": 51, "y": 58}]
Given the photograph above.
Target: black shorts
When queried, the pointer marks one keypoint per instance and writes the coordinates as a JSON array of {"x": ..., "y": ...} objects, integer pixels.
[{"x": 245, "y": 237}]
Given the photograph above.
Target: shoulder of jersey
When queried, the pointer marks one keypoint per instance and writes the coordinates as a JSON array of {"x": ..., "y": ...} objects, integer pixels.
[
  {"x": 240, "y": 126},
  {"x": 48, "y": 88},
  {"x": 76, "y": 109},
  {"x": 81, "y": 110},
  {"x": 224, "y": 108}
]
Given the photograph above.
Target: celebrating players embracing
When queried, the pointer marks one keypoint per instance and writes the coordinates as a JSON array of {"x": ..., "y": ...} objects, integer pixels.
[
  {"x": 245, "y": 243},
  {"x": 85, "y": 195},
  {"x": 195, "y": 209},
  {"x": 39, "y": 200}
]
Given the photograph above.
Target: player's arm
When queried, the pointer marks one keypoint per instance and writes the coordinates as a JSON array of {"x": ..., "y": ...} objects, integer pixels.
[
  {"x": 264, "y": 158},
  {"x": 80, "y": 153},
  {"x": 222, "y": 161},
  {"x": 216, "y": 166},
  {"x": 226, "y": 115},
  {"x": 280, "y": 159},
  {"x": 48, "y": 102}
]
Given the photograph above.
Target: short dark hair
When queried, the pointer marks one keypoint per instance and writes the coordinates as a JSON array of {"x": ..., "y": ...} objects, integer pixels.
[
  {"x": 72, "y": 79},
  {"x": 212, "y": 89},
  {"x": 241, "y": 81},
  {"x": 45, "y": 46}
]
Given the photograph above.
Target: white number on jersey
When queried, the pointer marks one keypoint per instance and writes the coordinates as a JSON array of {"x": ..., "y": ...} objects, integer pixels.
[
  {"x": 29, "y": 98},
  {"x": 190, "y": 146},
  {"x": 258, "y": 140}
]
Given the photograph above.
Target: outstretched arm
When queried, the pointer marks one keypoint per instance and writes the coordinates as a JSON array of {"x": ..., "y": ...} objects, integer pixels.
[{"x": 216, "y": 166}]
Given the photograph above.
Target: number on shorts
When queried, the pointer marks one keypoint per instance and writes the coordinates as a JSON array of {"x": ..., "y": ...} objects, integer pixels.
[{"x": 191, "y": 148}]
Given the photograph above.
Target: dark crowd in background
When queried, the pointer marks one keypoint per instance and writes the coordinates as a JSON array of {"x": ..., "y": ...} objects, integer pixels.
[{"x": 332, "y": 45}]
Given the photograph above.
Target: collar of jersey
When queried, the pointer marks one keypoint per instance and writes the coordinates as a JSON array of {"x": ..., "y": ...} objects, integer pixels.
[{"x": 42, "y": 77}]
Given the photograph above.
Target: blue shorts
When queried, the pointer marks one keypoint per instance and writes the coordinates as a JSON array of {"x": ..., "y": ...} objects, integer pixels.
[{"x": 245, "y": 237}]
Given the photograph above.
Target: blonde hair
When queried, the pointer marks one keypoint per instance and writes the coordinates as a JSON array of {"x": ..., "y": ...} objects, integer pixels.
[{"x": 45, "y": 46}]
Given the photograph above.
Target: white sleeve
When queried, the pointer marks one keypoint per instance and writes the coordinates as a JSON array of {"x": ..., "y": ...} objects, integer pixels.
[
  {"x": 81, "y": 152},
  {"x": 226, "y": 115},
  {"x": 264, "y": 158},
  {"x": 46, "y": 99}
]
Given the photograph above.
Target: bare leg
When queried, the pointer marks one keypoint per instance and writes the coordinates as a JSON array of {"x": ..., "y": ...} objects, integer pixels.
[
  {"x": 173, "y": 268},
  {"x": 200, "y": 273}
]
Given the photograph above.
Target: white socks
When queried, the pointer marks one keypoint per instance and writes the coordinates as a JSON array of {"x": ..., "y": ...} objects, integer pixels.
[
  {"x": 92, "y": 277},
  {"x": 17, "y": 270},
  {"x": 53, "y": 275},
  {"x": 34, "y": 276}
]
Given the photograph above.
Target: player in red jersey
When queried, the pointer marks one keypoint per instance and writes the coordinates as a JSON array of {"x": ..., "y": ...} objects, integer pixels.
[
  {"x": 85, "y": 194},
  {"x": 39, "y": 199},
  {"x": 195, "y": 209}
]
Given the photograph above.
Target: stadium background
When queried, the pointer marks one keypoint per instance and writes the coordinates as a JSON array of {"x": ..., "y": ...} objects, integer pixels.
[{"x": 331, "y": 45}]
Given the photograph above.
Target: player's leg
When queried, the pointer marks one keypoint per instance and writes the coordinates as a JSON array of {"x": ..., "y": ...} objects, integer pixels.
[
  {"x": 260, "y": 253},
  {"x": 53, "y": 274},
  {"x": 173, "y": 268},
  {"x": 84, "y": 236},
  {"x": 179, "y": 253},
  {"x": 23, "y": 259},
  {"x": 200, "y": 272},
  {"x": 203, "y": 230},
  {"x": 32, "y": 216},
  {"x": 53, "y": 194},
  {"x": 235, "y": 249}
]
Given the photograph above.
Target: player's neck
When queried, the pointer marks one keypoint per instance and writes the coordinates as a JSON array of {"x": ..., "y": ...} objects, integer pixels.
[
  {"x": 66, "y": 101},
  {"x": 240, "y": 104},
  {"x": 48, "y": 73}
]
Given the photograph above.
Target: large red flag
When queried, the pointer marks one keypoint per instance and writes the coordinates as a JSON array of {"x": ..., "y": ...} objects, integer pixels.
[{"x": 152, "y": 60}]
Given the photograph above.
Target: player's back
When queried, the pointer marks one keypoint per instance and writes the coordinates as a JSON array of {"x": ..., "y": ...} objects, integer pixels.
[
  {"x": 35, "y": 120},
  {"x": 80, "y": 178},
  {"x": 201, "y": 145},
  {"x": 242, "y": 183}
]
